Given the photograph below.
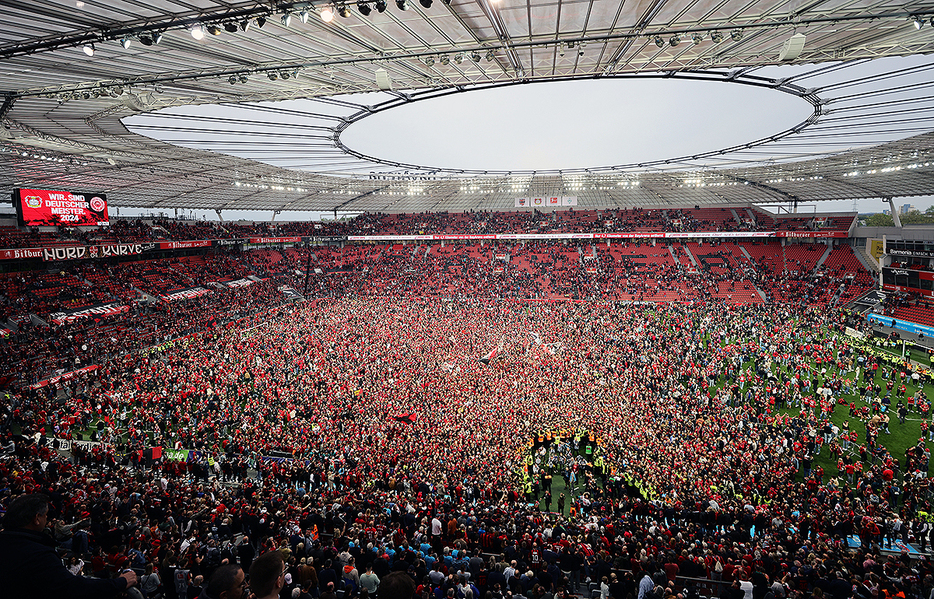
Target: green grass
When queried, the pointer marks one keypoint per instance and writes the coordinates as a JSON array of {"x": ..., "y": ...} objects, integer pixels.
[{"x": 902, "y": 436}]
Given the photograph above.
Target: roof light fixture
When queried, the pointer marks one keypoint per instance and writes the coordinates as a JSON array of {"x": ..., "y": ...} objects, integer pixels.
[
  {"x": 659, "y": 41},
  {"x": 230, "y": 27},
  {"x": 429, "y": 61},
  {"x": 489, "y": 56},
  {"x": 260, "y": 21},
  {"x": 272, "y": 75},
  {"x": 303, "y": 16},
  {"x": 89, "y": 49},
  {"x": 125, "y": 42},
  {"x": 475, "y": 56},
  {"x": 697, "y": 38},
  {"x": 144, "y": 39},
  {"x": 327, "y": 14},
  {"x": 343, "y": 11},
  {"x": 445, "y": 60},
  {"x": 364, "y": 8},
  {"x": 402, "y": 5},
  {"x": 674, "y": 40},
  {"x": 716, "y": 37},
  {"x": 232, "y": 80},
  {"x": 380, "y": 6},
  {"x": 214, "y": 30},
  {"x": 425, "y": 3},
  {"x": 197, "y": 32},
  {"x": 736, "y": 35},
  {"x": 918, "y": 22},
  {"x": 285, "y": 74},
  {"x": 245, "y": 25},
  {"x": 287, "y": 19},
  {"x": 459, "y": 57},
  {"x": 243, "y": 78}
]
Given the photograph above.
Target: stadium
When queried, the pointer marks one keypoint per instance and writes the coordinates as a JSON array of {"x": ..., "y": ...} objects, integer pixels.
[{"x": 441, "y": 299}]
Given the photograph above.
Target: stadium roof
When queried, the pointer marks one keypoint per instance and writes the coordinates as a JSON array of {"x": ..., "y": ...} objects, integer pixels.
[{"x": 72, "y": 71}]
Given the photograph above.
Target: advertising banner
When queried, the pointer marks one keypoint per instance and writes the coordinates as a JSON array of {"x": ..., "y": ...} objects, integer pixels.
[
  {"x": 180, "y": 245},
  {"x": 240, "y": 283},
  {"x": 64, "y": 377},
  {"x": 275, "y": 239},
  {"x": 20, "y": 253},
  {"x": 46, "y": 208},
  {"x": 183, "y": 294},
  {"x": 111, "y": 309},
  {"x": 901, "y": 325}
]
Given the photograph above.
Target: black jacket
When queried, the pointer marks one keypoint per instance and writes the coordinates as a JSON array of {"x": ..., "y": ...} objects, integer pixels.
[{"x": 30, "y": 569}]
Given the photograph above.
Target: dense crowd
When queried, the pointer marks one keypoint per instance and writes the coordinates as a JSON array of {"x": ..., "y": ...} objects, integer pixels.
[
  {"x": 365, "y": 435},
  {"x": 37, "y": 347},
  {"x": 137, "y": 230}
]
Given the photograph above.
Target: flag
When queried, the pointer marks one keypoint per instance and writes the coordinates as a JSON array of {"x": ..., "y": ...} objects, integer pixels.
[
  {"x": 494, "y": 353},
  {"x": 406, "y": 418}
]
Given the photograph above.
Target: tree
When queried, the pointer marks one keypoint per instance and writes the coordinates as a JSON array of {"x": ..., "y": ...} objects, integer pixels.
[
  {"x": 915, "y": 217},
  {"x": 880, "y": 220}
]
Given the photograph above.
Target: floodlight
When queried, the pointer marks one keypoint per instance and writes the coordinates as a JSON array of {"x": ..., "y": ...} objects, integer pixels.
[
  {"x": 425, "y": 3},
  {"x": 380, "y": 6},
  {"x": 674, "y": 40},
  {"x": 287, "y": 19},
  {"x": 230, "y": 27},
  {"x": 343, "y": 11},
  {"x": 697, "y": 37},
  {"x": 214, "y": 30},
  {"x": 125, "y": 42},
  {"x": 736, "y": 35},
  {"x": 89, "y": 49},
  {"x": 659, "y": 41},
  {"x": 716, "y": 37},
  {"x": 364, "y": 8},
  {"x": 402, "y": 5},
  {"x": 197, "y": 32}
]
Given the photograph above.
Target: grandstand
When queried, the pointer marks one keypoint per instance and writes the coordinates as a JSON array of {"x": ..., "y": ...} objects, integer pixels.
[{"x": 666, "y": 374}]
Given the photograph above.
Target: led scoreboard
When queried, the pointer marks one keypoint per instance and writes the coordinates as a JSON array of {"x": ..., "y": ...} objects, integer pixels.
[{"x": 45, "y": 208}]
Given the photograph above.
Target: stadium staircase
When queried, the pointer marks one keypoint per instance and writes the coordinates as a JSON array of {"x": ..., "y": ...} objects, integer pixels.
[
  {"x": 866, "y": 260},
  {"x": 826, "y": 255}
]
